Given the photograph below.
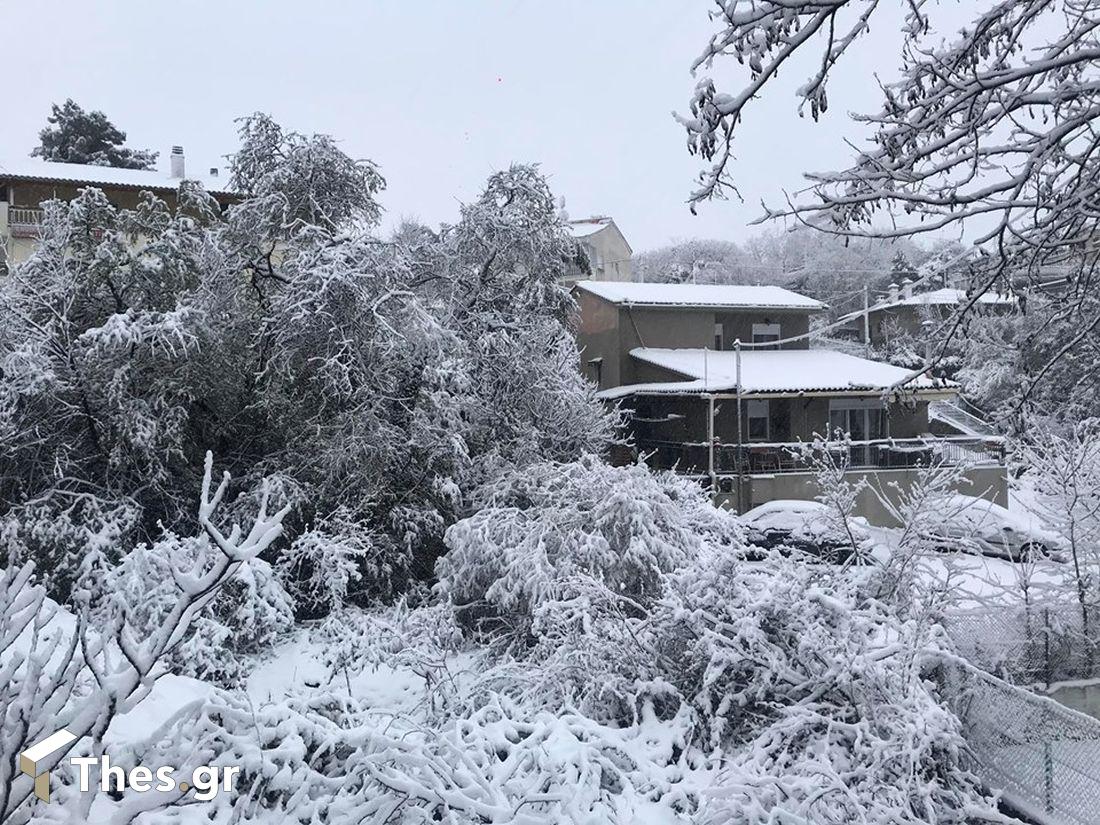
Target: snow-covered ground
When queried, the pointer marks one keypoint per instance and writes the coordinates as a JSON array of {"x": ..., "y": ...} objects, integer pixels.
[{"x": 296, "y": 668}]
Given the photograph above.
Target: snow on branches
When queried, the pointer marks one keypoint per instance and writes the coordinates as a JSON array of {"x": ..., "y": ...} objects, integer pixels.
[
  {"x": 993, "y": 126},
  {"x": 81, "y": 672}
]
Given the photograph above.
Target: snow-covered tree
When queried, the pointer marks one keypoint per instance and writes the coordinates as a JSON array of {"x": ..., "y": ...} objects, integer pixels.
[
  {"x": 993, "y": 127},
  {"x": 1064, "y": 471},
  {"x": 99, "y": 352},
  {"x": 699, "y": 261},
  {"x": 77, "y": 136}
]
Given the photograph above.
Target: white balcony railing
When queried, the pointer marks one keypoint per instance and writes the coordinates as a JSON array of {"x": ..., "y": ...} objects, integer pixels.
[{"x": 24, "y": 222}]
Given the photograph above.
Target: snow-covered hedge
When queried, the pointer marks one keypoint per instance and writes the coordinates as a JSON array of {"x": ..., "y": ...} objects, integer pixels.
[{"x": 555, "y": 532}]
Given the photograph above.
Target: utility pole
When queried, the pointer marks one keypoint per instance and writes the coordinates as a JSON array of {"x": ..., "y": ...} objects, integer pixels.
[
  {"x": 710, "y": 445},
  {"x": 737, "y": 386},
  {"x": 710, "y": 423},
  {"x": 866, "y": 316}
]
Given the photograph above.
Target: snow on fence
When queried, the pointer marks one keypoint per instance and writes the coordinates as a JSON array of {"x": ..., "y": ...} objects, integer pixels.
[
  {"x": 1044, "y": 757},
  {"x": 1030, "y": 644}
]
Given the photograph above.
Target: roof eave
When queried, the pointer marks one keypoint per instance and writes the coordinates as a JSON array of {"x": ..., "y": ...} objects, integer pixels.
[
  {"x": 659, "y": 305},
  {"x": 931, "y": 393},
  {"x": 136, "y": 187}
]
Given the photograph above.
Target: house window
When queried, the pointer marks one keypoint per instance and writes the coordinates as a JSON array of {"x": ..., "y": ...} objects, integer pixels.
[
  {"x": 594, "y": 260},
  {"x": 3, "y": 193},
  {"x": 757, "y": 412},
  {"x": 765, "y": 333},
  {"x": 718, "y": 336},
  {"x": 860, "y": 419}
]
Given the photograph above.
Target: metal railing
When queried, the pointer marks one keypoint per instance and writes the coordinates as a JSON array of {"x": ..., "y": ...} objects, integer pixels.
[
  {"x": 797, "y": 457},
  {"x": 1044, "y": 757},
  {"x": 1030, "y": 644},
  {"x": 961, "y": 419},
  {"x": 24, "y": 222}
]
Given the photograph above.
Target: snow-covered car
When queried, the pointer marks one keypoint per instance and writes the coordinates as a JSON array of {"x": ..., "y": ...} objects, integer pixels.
[
  {"x": 803, "y": 525},
  {"x": 977, "y": 523}
]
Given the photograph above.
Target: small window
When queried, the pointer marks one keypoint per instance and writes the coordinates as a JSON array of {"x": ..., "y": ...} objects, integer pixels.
[
  {"x": 759, "y": 428},
  {"x": 3, "y": 193},
  {"x": 594, "y": 259},
  {"x": 718, "y": 337},
  {"x": 765, "y": 333}
]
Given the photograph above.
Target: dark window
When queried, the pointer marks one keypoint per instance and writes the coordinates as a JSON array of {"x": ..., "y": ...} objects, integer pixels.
[
  {"x": 765, "y": 333},
  {"x": 758, "y": 420}
]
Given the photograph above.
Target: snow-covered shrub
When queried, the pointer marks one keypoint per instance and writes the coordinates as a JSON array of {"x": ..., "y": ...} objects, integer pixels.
[
  {"x": 554, "y": 531},
  {"x": 341, "y": 559},
  {"x": 420, "y": 640},
  {"x": 1064, "y": 473},
  {"x": 79, "y": 672},
  {"x": 817, "y": 693},
  {"x": 249, "y": 614},
  {"x": 384, "y": 378},
  {"x": 67, "y": 535}
]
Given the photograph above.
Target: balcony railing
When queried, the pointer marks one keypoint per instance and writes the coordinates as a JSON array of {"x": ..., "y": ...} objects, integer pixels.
[
  {"x": 24, "y": 222},
  {"x": 766, "y": 459}
]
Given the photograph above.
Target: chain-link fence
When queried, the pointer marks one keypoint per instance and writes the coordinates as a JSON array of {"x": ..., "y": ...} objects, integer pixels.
[
  {"x": 1030, "y": 644},
  {"x": 1042, "y": 755}
]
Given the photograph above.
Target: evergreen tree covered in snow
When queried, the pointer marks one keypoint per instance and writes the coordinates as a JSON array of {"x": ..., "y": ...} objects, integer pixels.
[{"x": 77, "y": 136}]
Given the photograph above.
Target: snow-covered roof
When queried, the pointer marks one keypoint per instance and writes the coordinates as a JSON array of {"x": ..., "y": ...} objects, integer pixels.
[
  {"x": 584, "y": 227},
  {"x": 709, "y": 296},
  {"x": 33, "y": 169},
  {"x": 789, "y": 371},
  {"x": 947, "y": 296}
]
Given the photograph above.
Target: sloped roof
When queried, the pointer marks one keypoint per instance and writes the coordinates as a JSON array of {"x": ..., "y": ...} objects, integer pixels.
[
  {"x": 715, "y": 296},
  {"x": 772, "y": 372},
  {"x": 40, "y": 171},
  {"x": 584, "y": 227},
  {"x": 947, "y": 296}
]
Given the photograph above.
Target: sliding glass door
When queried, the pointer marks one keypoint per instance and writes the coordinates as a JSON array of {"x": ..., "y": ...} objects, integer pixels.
[{"x": 860, "y": 419}]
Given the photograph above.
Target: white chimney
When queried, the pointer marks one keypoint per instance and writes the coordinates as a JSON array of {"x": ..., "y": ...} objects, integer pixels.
[
  {"x": 907, "y": 288},
  {"x": 176, "y": 160},
  {"x": 892, "y": 294}
]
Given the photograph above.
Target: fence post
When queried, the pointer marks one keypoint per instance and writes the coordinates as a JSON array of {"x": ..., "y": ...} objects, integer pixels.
[
  {"x": 1048, "y": 777},
  {"x": 1046, "y": 644},
  {"x": 1090, "y": 651}
]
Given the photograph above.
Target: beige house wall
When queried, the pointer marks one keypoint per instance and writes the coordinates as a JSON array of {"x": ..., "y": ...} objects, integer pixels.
[
  {"x": 608, "y": 254},
  {"x": 989, "y": 482},
  {"x": 27, "y": 195},
  {"x": 610, "y": 331},
  {"x": 907, "y": 319},
  {"x": 597, "y": 329},
  {"x": 738, "y": 325}
]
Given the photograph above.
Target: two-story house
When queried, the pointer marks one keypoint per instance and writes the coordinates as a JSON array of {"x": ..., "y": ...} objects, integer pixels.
[
  {"x": 606, "y": 247},
  {"x": 721, "y": 383},
  {"x": 26, "y": 182}
]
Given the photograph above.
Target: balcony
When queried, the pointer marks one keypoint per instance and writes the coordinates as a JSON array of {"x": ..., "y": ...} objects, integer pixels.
[
  {"x": 24, "y": 222},
  {"x": 769, "y": 459}
]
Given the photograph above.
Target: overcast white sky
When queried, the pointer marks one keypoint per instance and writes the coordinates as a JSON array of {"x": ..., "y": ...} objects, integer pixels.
[{"x": 439, "y": 93}]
